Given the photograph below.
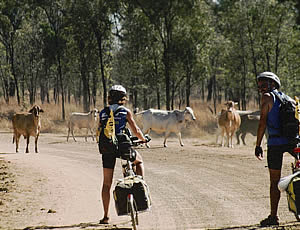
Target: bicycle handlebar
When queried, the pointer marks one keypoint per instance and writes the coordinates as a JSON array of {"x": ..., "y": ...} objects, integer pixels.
[{"x": 135, "y": 140}]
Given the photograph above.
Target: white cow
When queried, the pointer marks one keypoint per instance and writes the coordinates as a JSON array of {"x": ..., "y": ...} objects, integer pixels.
[
  {"x": 83, "y": 120},
  {"x": 166, "y": 122}
]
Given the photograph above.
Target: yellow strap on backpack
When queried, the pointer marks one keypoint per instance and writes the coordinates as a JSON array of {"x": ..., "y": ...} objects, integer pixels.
[
  {"x": 297, "y": 110},
  {"x": 109, "y": 130}
]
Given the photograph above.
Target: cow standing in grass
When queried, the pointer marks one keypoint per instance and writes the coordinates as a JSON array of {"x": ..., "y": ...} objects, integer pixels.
[
  {"x": 229, "y": 121},
  {"x": 27, "y": 124},
  {"x": 166, "y": 122}
]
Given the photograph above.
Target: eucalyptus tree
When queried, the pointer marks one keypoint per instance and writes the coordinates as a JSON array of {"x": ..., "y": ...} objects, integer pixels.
[
  {"x": 191, "y": 35},
  {"x": 55, "y": 11},
  {"x": 4, "y": 72},
  {"x": 163, "y": 15},
  {"x": 137, "y": 59},
  {"x": 11, "y": 17},
  {"x": 103, "y": 15},
  {"x": 82, "y": 34},
  {"x": 259, "y": 33}
]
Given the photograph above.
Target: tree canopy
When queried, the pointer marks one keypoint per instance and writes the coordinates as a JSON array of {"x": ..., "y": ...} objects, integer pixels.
[{"x": 165, "y": 52}]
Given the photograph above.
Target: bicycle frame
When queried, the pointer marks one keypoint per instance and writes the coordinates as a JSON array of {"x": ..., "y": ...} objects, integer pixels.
[
  {"x": 284, "y": 184},
  {"x": 128, "y": 169}
]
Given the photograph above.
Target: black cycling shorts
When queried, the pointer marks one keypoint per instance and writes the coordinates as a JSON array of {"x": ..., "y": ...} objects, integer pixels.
[
  {"x": 109, "y": 160},
  {"x": 275, "y": 155}
]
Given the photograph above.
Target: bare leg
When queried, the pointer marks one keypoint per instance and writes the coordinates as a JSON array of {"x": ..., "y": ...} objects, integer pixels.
[
  {"x": 107, "y": 181},
  {"x": 139, "y": 165},
  {"x": 274, "y": 191}
]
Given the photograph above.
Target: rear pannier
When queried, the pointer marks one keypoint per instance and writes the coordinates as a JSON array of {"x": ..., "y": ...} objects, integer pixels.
[{"x": 140, "y": 190}]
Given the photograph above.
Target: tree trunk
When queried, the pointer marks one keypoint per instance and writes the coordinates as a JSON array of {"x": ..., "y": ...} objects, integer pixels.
[{"x": 100, "y": 50}]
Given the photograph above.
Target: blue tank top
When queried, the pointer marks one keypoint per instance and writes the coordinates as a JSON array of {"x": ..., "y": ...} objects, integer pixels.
[
  {"x": 120, "y": 117},
  {"x": 273, "y": 124}
]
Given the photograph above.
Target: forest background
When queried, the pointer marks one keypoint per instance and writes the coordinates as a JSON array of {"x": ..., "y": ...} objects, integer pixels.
[{"x": 167, "y": 53}]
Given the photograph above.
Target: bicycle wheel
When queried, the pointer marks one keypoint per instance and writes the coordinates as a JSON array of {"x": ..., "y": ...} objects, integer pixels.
[{"x": 132, "y": 211}]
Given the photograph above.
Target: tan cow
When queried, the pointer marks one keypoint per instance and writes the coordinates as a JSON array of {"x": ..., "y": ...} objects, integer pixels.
[
  {"x": 229, "y": 121},
  {"x": 27, "y": 124}
]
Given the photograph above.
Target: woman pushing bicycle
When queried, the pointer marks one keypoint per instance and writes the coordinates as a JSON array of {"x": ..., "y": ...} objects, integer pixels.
[{"x": 117, "y": 97}]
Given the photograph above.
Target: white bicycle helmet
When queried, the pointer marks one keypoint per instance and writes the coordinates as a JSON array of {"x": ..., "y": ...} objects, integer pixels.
[
  {"x": 270, "y": 75},
  {"x": 119, "y": 88}
]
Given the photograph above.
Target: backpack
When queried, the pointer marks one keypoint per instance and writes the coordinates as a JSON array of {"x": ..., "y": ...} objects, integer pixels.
[
  {"x": 108, "y": 142},
  {"x": 289, "y": 124},
  {"x": 111, "y": 142}
]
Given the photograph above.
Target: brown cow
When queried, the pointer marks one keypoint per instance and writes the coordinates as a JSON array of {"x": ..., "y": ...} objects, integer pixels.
[
  {"x": 229, "y": 121},
  {"x": 27, "y": 124}
]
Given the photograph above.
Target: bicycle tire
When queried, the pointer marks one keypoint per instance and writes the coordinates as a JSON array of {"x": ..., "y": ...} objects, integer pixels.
[{"x": 132, "y": 211}]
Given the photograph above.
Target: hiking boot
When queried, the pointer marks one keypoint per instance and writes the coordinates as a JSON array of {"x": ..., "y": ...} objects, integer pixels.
[{"x": 271, "y": 220}]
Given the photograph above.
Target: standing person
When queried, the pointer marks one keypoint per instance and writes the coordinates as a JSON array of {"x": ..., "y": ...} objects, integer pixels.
[
  {"x": 268, "y": 82},
  {"x": 116, "y": 98}
]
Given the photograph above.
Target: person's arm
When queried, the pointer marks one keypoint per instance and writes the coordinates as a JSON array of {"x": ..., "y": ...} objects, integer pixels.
[
  {"x": 266, "y": 105},
  {"x": 134, "y": 128}
]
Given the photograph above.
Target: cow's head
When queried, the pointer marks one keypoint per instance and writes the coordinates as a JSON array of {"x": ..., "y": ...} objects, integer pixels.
[
  {"x": 36, "y": 110},
  {"x": 189, "y": 114},
  {"x": 230, "y": 105},
  {"x": 95, "y": 113}
]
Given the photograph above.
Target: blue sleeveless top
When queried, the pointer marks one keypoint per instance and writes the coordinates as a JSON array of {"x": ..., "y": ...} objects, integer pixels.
[
  {"x": 273, "y": 124},
  {"x": 120, "y": 117}
]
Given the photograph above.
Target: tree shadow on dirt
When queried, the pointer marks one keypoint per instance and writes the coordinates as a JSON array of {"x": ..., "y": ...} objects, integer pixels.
[
  {"x": 89, "y": 226},
  {"x": 284, "y": 226}
]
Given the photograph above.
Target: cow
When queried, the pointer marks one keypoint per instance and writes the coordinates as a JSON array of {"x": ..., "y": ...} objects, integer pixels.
[
  {"x": 83, "y": 120},
  {"x": 249, "y": 124},
  {"x": 229, "y": 121},
  {"x": 167, "y": 122},
  {"x": 27, "y": 124}
]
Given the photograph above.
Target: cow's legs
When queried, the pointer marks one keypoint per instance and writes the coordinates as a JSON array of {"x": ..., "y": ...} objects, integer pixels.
[
  {"x": 165, "y": 140},
  {"x": 72, "y": 131},
  {"x": 230, "y": 144},
  {"x": 146, "y": 131},
  {"x": 17, "y": 138},
  {"x": 227, "y": 138},
  {"x": 180, "y": 140},
  {"x": 238, "y": 137},
  {"x": 217, "y": 135},
  {"x": 36, "y": 143},
  {"x": 27, "y": 143},
  {"x": 222, "y": 133},
  {"x": 91, "y": 130},
  {"x": 243, "y": 138},
  {"x": 68, "y": 134},
  {"x": 87, "y": 133}
]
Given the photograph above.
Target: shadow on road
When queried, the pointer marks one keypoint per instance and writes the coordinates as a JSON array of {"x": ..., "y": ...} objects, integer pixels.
[
  {"x": 94, "y": 226},
  {"x": 284, "y": 226}
]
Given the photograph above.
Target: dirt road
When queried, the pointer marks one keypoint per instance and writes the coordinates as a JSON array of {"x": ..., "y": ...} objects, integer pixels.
[{"x": 198, "y": 186}]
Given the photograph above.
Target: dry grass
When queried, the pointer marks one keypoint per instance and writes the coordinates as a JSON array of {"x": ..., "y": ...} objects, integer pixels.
[{"x": 52, "y": 117}]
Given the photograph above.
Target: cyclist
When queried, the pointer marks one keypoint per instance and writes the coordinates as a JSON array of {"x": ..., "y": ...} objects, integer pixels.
[
  {"x": 277, "y": 144},
  {"x": 117, "y": 97}
]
